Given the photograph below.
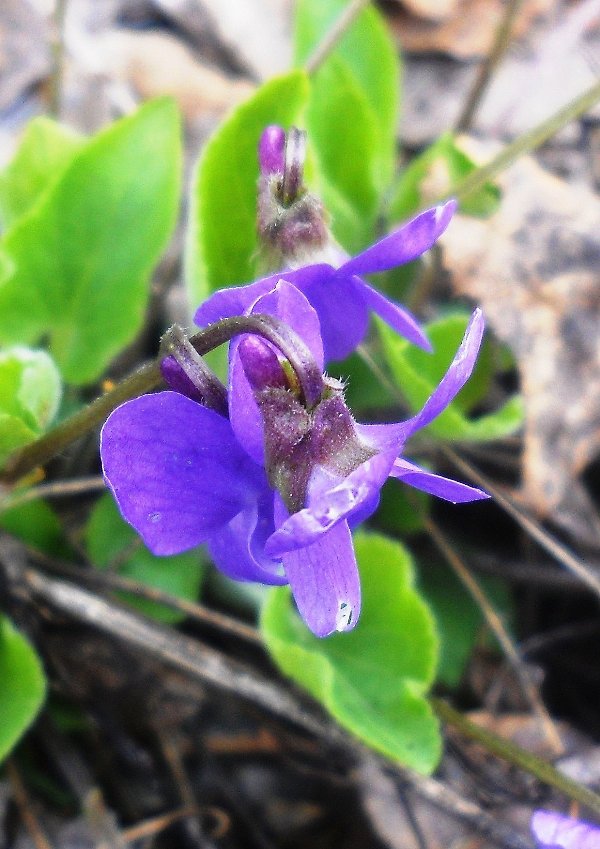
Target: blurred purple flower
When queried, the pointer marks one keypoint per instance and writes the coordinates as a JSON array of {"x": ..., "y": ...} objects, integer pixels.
[
  {"x": 275, "y": 487},
  {"x": 556, "y": 831},
  {"x": 343, "y": 300}
]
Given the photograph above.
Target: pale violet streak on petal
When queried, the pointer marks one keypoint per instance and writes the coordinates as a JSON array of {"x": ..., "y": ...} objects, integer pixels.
[
  {"x": 289, "y": 304},
  {"x": 455, "y": 378},
  {"x": 237, "y": 548},
  {"x": 244, "y": 414},
  {"x": 398, "y": 318},
  {"x": 556, "y": 830},
  {"x": 446, "y": 488},
  {"x": 175, "y": 469},
  {"x": 342, "y": 312},
  {"x": 325, "y": 582},
  {"x": 328, "y": 505},
  {"x": 404, "y": 244}
]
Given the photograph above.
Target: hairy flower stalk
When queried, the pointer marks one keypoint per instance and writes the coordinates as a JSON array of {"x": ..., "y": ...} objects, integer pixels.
[
  {"x": 293, "y": 232},
  {"x": 274, "y": 486}
]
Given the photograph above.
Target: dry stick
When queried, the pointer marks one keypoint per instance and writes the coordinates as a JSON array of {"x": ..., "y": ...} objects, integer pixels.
[
  {"x": 112, "y": 581},
  {"x": 501, "y": 42},
  {"x": 57, "y": 489},
  {"x": 497, "y": 626},
  {"x": 154, "y": 826},
  {"x": 514, "y": 754},
  {"x": 58, "y": 56},
  {"x": 337, "y": 31},
  {"x": 25, "y": 808},
  {"x": 214, "y": 668},
  {"x": 555, "y": 549}
]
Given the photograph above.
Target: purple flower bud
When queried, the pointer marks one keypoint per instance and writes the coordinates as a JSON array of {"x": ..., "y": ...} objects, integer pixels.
[
  {"x": 271, "y": 150},
  {"x": 261, "y": 364}
]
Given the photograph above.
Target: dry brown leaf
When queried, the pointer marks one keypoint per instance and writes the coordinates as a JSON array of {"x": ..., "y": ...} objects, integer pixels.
[
  {"x": 535, "y": 269},
  {"x": 468, "y": 33},
  {"x": 155, "y": 63}
]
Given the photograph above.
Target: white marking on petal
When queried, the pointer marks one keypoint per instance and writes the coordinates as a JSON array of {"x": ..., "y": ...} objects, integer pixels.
[{"x": 343, "y": 619}]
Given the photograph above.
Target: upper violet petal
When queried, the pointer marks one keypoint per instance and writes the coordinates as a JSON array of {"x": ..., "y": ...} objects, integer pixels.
[
  {"x": 325, "y": 582},
  {"x": 455, "y": 378},
  {"x": 556, "y": 831},
  {"x": 398, "y": 318},
  {"x": 330, "y": 501},
  {"x": 404, "y": 244},
  {"x": 342, "y": 311},
  {"x": 175, "y": 469},
  {"x": 446, "y": 488}
]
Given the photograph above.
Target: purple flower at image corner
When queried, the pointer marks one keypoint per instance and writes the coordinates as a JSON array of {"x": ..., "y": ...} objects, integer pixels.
[
  {"x": 184, "y": 474},
  {"x": 552, "y": 830},
  {"x": 335, "y": 288}
]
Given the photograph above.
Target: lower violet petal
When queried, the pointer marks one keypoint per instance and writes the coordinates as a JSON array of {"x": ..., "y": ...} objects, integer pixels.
[
  {"x": 325, "y": 582},
  {"x": 446, "y": 488},
  {"x": 175, "y": 469}
]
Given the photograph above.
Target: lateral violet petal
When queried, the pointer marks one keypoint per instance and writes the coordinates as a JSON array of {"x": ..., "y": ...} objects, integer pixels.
[
  {"x": 244, "y": 414},
  {"x": 330, "y": 502},
  {"x": 325, "y": 582},
  {"x": 175, "y": 469},
  {"x": 556, "y": 831},
  {"x": 404, "y": 244},
  {"x": 238, "y": 547},
  {"x": 446, "y": 488},
  {"x": 398, "y": 318}
]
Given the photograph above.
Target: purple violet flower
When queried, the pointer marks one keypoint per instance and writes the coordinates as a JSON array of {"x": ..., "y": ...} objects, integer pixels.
[
  {"x": 293, "y": 220},
  {"x": 556, "y": 831},
  {"x": 274, "y": 487}
]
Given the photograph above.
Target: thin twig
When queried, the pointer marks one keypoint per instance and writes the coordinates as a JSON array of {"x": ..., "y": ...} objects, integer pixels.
[
  {"x": 517, "y": 756},
  {"x": 555, "y": 549},
  {"x": 112, "y": 581},
  {"x": 58, "y": 55},
  {"x": 528, "y": 142},
  {"x": 337, "y": 31},
  {"x": 57, "y": 489},
  {"x": 501, "y": 42},
  {"x": 497, "y": 626},
  {"x": 25, "y": 807},
  {"x": 154, "y": 826}
]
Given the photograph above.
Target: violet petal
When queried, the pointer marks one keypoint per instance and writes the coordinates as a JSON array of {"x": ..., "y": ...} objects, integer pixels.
[
  {"x": 324, "y": 580},
  {"x": 331, "y": 501},
  {"x": 556, "y": 831},
  {"x": 398, "y": 318},
  {"x": 404, "y": 244},
  {"x": 175, "y": 469},
  {"x": 446, "y": 488}
]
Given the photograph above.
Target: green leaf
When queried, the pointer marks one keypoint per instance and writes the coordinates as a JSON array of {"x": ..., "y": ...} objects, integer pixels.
[
  {"x": 22, "y": 686},
  {"x": 37, "y": 524},
  {"x": 372, "y": 679},
  {"x": 222, "y": 241},
  {"x": 77, "y": 266},
  {"x": 30, "y": 391},
  {"x": 111, "y": 540},
  {"x": 45, "y": 151},
  {"x": 417, "y": 374},
  {"x": 346, "y": 160},
  {"x": 433, "y": 175},
  {"x": 370, "y": 59},
  {"x": 459, "y": 619}
]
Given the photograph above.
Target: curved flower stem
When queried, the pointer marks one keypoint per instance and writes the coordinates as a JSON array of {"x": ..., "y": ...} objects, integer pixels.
[
  {"x": 148, "y": 377},
  {"x": 514, "y": 754}
]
